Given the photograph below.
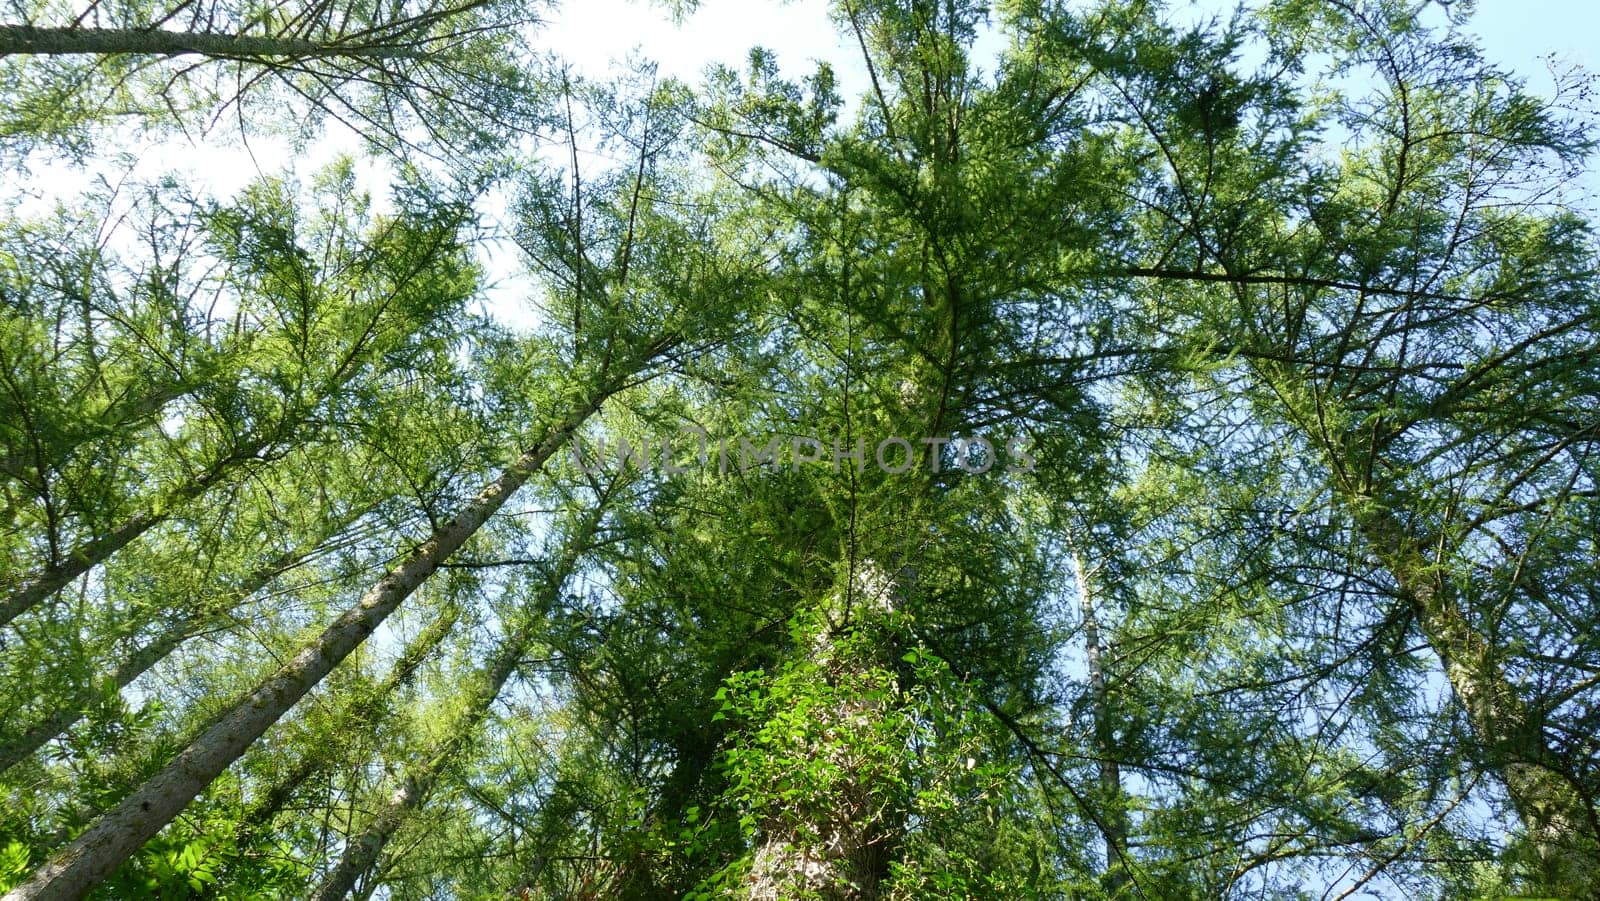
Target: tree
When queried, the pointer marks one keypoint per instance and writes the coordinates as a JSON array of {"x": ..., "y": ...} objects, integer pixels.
[
  {"x": 417, "y": 783},
  {"x": 1270, "y": 574},
  {"x": 442, "y": 78},
  {"x": 1371, "y": 301}
]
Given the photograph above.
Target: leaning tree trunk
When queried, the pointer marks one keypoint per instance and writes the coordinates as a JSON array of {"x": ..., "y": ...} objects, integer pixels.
[
  {"x": 16, "y": 749},
  {"x": 1558, "y": 820},
  {"x": 47, "y": 581},
  {"x": 363, "y": 851},
  {"x": 257, "y": 817},
  {"x": 112, "y": 838},
  {"x": 39, "y": 41}
]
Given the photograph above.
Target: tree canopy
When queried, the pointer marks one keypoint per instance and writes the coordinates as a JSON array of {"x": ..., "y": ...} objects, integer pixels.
[{"x": 1115, "y": 454}]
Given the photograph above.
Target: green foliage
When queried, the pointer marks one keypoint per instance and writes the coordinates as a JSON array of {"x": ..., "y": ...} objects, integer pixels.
[
  {"x": 1299, "y": 597},
  {"x": 444, "y": 79}
]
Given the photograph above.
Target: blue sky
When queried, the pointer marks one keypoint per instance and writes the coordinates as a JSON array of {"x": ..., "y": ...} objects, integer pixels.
[{"x": 1517, "y": 35}]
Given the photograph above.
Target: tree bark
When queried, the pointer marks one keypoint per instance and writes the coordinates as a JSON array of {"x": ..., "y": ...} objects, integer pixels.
[
  {"x": 15, "y": 750},
  {"x": 363, "y": 851},
  {"x": 1113, "y": 820},
  {"x": 1559, "y": 822},
  {"x": 38, "y": 41},
  {"x": 92, "y": 553},
  {"x": 119, "y": 832}
]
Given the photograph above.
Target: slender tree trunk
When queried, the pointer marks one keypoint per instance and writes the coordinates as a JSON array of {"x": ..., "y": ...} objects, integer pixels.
[
  {"x": 1561, "y": 826},
  {"x": 1559, "y": 822},
  {"x": 1113, "y": 818},
  {"x": 119, "y": 832},
  {"x": 257, "y": 817},
  {"x": 37, "y": 41},
  {"x": 17, "y": 749},
  {"x": 363, "y": 851},
  {"x": 46, "y": 582}
]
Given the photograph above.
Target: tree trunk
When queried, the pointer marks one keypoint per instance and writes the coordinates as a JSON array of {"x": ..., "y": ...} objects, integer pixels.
[
  {"x": 1113, "y": 820},
  {"x": 119, "y": 832},
  {"x": 34, "y": 40},
  {"x": 1558, "y": 821},
  {"x": 15, "y": 750},
  {"x": 257, "y": 817},
  {"x": 90, "y": 554},
  {"x": 844, "y": 842},
  {"x": 363, "y": 851},
  {"x": 841, "y": 854}
]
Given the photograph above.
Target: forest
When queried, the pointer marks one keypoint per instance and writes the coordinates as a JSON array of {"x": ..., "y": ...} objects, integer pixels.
[{"x": 1056, "y": 449}]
